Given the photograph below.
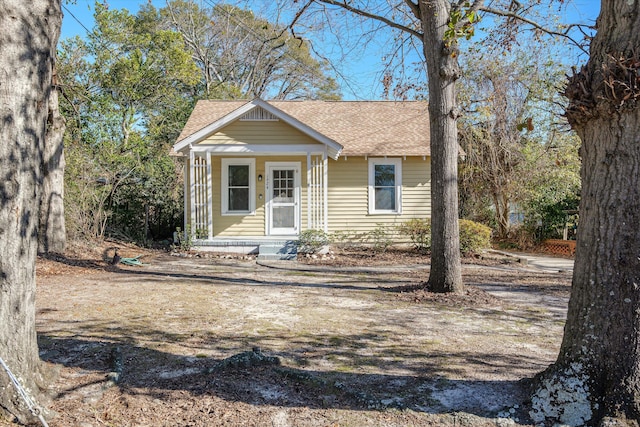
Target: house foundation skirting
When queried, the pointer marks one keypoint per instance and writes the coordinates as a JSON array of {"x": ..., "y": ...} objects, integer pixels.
[{"x": 240, "y": 246}]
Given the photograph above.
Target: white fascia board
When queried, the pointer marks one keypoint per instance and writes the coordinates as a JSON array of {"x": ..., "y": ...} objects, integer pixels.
[{"x": 259, "y": 149}]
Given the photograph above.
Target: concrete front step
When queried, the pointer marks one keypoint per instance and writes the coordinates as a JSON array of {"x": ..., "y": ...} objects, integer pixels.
[{"x": 278, "y": 251}]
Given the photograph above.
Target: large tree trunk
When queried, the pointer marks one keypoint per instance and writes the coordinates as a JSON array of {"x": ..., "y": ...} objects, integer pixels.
[
  {"x": 443, "y": 71},
  {"x": 596, "y": 379},
  {"x": 28, "y": 36},
  {"x": 52, "y": 235}
]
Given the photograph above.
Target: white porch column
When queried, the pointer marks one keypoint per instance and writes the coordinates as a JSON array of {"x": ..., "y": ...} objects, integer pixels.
[
  {"x": 325, "y": 191},
  {"x": 309, "y": 190},
  {"x": 185, "y": 196},
  {"x": 209, "y": 197},
  {"x": 192, "y": 192},
  {"x": 316, "y": 194}
]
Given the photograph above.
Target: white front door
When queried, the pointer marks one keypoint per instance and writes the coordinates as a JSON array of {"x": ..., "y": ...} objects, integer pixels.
[{"x": 283, "y": 198}]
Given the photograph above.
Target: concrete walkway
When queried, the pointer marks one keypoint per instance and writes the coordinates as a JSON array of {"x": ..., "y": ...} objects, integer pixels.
[{"x": 546, "y": 263}]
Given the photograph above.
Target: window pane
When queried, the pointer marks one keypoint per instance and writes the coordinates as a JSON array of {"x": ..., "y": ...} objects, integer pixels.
[
  {"x": 385, "y": 175},
  {"x": 238, "y": 175},
  {"x": 238, "y": 199},
  {"x": 283, "y": 186},
  {"x": 283, "y": 196},
  {"x": 386, "y": 199}
]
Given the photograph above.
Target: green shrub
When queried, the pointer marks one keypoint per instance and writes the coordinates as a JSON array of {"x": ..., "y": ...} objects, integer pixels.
[
  {"x": 473, "y": 236},
  {"x": 419, "y": 231},
  {"x": 202, "y": 233},
  {"x": 311, "y": 241}
]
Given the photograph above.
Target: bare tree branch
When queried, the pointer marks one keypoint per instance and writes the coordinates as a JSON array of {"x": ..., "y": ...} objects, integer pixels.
[
  {"x": 537, "y": 26},
  {"x": 343, "y": 4},
  {"x": 297, "y": 17}
]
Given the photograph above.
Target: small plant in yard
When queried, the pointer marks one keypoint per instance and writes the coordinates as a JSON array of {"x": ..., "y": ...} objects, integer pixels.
[
  {"x": 185, "y": 240},
  {"x": 380, "y": 238},
  {"x": 202, "y": 233},
  {"x": 474, "y": 236},
  {"x": 311, "y": 241},
  {"x": 341, "y": 239},
  {"x": 419, "y": 231}
]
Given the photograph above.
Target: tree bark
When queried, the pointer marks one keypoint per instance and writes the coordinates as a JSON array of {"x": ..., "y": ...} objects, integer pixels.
[
  {"x": 443, "y": 71},
  {"x": 52, "y": 235},
  {"x": 596, "y": 378},
  {"x": 28, "y": 35}
]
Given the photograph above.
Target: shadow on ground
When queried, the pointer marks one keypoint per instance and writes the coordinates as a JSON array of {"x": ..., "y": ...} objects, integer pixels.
[
  {"x": 264, "y": 381},
  {"x": 93, "y": 326}
]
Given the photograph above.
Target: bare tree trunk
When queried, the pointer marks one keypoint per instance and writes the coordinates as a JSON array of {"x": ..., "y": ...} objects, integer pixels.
[
  {"x": 443, "y": 71},
  {"x": 501, "y": 204},
  {"x": 28, "y": 36},
  {"x": 596, "y": 379},
  {"x": 52, "y": 235}
]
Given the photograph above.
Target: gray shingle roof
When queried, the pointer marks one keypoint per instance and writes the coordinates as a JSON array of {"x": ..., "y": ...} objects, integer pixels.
[{"x": 373, "y": 128}]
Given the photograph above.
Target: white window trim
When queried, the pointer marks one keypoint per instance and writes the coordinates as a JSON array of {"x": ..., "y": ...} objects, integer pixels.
[
  {"x": 397, "y": 162},
  {"x": 225, "y": 186}
]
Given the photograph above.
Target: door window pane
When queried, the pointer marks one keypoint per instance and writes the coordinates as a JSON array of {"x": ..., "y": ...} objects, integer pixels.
[
  {"x": 283, "y": 186},
  {"x": 283, "y": 216}
]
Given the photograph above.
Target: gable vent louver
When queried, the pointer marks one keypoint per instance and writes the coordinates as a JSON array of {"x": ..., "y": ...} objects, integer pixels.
[{"x": 259, "y": 115}]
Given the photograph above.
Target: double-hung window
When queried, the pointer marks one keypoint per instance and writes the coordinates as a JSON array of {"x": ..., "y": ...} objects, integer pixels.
[
  {"x": 238, "y": 191},
  {"x": 385, "y": 184}
]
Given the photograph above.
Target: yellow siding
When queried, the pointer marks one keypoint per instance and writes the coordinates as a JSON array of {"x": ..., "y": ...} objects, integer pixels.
[
  {"x": 259, "y": 132},
  {"x": 348, "y": 195},
  {"x": 416, "y": 192}
]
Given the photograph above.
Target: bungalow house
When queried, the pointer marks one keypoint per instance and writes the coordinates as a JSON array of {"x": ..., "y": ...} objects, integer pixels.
[{"x": 261, "y": 172}]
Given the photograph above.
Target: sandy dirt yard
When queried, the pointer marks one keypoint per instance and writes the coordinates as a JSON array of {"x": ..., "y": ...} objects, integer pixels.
[{"x": 211, "y": 341}]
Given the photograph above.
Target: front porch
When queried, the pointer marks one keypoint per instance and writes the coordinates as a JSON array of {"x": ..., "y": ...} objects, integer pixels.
[
  {"x": 241, "y": 202},
  {"x": 271, "y": 248}
]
